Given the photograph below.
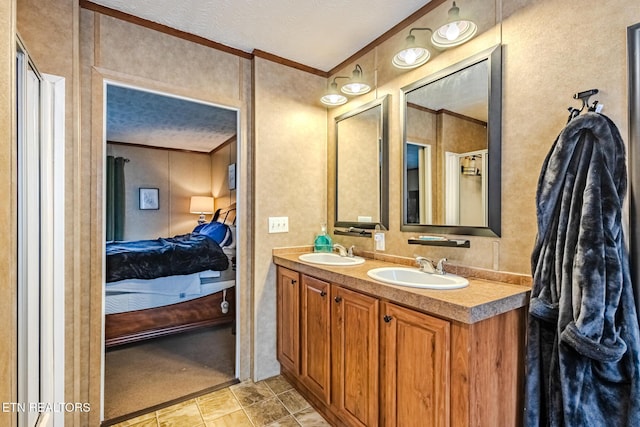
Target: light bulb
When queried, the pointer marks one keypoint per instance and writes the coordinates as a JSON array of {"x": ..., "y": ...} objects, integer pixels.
[
  {"x": 332, "y": 99},
  {"x": 453, "y": 31},
  {"x": 409, "y": 56}
]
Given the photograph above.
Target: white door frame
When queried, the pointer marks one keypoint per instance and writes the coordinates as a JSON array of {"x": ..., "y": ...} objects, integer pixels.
[{"x": 53, "y": 243}]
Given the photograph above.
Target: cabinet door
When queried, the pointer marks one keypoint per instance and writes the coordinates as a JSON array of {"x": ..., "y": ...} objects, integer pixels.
[
  {"x": 315, "y": 337},
  {"x": 288, "y": 317},
  {"x": 355, "y": 356},
  {"x": 415, "y": 368}
]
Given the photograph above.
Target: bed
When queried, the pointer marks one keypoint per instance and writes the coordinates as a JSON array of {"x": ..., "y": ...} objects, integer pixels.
[{"x": 170, "y": 285}]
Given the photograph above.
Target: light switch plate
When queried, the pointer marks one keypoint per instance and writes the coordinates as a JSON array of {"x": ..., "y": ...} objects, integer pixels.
[{"x": 278, "y": 224}]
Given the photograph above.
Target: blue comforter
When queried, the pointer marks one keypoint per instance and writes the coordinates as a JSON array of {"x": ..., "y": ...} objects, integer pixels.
[{"x": 149, "y": 259}]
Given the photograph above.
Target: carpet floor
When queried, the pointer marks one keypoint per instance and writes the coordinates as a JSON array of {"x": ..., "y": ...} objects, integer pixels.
[{"x": 160, "y": 370}]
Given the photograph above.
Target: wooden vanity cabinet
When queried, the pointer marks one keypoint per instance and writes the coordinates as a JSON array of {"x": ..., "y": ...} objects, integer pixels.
[
  {"x": 355, "y": 353},
  {"x": 365, "y": 362},
  {"x": 288, "y": 318},
  {"x": 315, "y": 338},
  {"x": 416, "y": 366},
  {"x": 337, "y": 346}
]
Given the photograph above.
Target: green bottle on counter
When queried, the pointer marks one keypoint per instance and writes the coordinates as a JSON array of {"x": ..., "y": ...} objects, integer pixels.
[{"x": 323, "y": 242}]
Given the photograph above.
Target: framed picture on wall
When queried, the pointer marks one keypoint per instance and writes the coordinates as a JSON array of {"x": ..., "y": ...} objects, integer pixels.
[
  {"x": 149, "y": 198},
  {"x": 232, "y": 176}
]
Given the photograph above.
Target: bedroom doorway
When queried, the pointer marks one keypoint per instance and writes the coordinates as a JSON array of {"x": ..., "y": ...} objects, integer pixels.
[{"x": 169, "y": 324}]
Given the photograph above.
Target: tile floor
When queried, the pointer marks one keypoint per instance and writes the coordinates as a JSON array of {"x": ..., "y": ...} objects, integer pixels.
[{"x": 269, "y": 403}]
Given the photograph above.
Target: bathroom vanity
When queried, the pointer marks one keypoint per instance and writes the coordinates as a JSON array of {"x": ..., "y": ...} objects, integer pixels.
[{"x": 366, "y": 353}]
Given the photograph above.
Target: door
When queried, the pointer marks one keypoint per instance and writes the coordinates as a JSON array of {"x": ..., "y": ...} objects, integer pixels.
[
  {"x": 40, "y": 148},
  {"x": 415, "y": 368},
  {"x": 288, "y": 318},
  {"x": 315, "y": 337},
  {"x": 355, "y": 356}
]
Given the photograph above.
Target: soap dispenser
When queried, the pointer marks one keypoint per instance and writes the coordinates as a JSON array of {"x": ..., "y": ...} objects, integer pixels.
[{"x": 323, "y": 242}]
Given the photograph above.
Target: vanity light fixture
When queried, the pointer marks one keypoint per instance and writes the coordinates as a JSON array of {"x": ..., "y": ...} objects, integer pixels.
[
  {"x": 356, "y": 86},
  {"x": 412, "y": 55},
  {"x": 455, "y": 32},
  {"x": 333, "y": 98}
]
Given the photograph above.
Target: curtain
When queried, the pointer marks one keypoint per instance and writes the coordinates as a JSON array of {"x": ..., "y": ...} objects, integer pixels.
[{"x": 115, "y": 198}]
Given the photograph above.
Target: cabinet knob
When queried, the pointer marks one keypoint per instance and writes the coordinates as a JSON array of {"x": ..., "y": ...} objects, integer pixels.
[
  {"x": 323, "y": 293},
  {"x": 294, "y": 281},
  {"x": 387, "y": 318},
  {"x": 338, "y": 299}
]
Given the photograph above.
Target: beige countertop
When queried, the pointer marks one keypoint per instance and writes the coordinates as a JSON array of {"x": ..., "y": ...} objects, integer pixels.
[{"x": 480, "y": 300}]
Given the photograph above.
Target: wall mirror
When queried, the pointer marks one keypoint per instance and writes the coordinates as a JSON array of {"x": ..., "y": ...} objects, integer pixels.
[
  {"x": 452, "y": 149},
  {"x": 633, "y": 46},
  {"x": 362, "y": 166}
]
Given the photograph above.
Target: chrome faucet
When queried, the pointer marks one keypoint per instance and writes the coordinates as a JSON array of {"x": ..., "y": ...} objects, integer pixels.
[
  {"x": 350, "y": 251},
  {"x": 427, "y": 266},
  {"x": 342, "y": 251}
]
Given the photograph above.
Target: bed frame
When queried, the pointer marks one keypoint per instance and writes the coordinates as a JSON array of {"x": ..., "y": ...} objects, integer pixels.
[
  {"x": 139, "y": 325},
  {"x": 133, "y": 326}
]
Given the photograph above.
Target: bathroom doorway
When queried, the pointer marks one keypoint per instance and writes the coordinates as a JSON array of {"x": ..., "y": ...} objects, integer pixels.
[{"x": 170, "y": 149}]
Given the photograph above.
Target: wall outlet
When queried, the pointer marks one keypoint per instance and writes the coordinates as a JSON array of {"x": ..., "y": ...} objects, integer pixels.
[
  {"x": 379, "y": 241},
  {"x": 278, "y": 224}
]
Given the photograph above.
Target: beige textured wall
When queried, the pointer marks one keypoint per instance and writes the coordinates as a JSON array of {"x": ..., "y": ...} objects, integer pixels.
[
  {"x": 289, "y": 180},
  {"x": 8, "y": 249},
  {"x": 544, "y": 64},
  {"x": 178, "y": 175}
]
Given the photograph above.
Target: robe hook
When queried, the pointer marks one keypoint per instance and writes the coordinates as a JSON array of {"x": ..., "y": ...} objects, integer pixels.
[{"x": 584, "y": 97}]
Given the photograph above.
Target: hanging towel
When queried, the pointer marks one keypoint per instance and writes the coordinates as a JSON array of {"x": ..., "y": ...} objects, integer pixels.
[{"x": 582, "y": 361}]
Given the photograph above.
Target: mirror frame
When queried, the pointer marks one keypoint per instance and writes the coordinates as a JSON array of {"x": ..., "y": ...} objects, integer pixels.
[
  {"x": 633, "y": 46},
  {"x": 494, "y": 144},
  {"x": 383, "y": 163}
]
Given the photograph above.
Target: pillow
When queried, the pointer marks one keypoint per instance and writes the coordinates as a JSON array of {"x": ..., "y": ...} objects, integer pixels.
[{"x": 216, "y": 231}]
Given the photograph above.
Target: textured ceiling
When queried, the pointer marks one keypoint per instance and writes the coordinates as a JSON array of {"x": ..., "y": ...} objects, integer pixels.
[
  {"x": 316, "y": 33},
  {"x": 147, "y": 118}
]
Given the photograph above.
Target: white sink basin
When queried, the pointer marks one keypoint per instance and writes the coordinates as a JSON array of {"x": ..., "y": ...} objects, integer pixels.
[
  {"x": 327, "y": 258},
  {"x": 412, "y": 277}
]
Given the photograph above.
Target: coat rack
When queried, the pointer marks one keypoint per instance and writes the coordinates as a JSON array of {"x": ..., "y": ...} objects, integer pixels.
[{"x": 584, "y": 97}]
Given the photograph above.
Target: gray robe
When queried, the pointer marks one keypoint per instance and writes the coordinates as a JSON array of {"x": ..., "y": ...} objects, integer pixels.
[{"x": 582, "y": 361}]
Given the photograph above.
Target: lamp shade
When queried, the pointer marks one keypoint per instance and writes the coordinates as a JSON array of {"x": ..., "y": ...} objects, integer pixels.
[
  {"x": 201, "y": 205},
  {"x": 456, "y": 31},
  {"x": 356, "y": 85},
  {"x": 412, "y": 55},
  {"x": 333, "y": 97}
]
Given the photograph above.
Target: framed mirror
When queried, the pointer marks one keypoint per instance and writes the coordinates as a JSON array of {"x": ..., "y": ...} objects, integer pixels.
[
  {"x": 452, "y": 149},
  {"x": 633, "y": 46},
  {"x": 362, "y": 166}
]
